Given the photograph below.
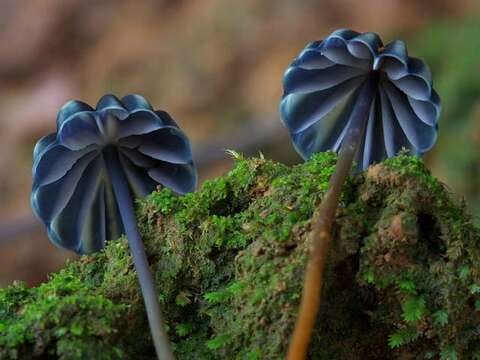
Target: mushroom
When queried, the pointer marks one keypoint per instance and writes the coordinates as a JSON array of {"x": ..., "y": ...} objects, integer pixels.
[
  {"x": 350, "y": 94},
  {"x": 87, "y": 175}
]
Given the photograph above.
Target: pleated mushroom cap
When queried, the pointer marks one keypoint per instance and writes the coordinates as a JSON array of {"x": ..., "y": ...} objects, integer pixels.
[
  {"x": 72, "y": 192},
  {"x": 322, "y": 84}
]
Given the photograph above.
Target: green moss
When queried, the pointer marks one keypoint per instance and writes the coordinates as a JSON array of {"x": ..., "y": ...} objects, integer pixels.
[
  {"x": 63, "y": 317},
  {"x": 402, "y": 280}
]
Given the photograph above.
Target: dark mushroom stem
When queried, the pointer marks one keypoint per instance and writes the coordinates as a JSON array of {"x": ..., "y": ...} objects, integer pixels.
[
  {"x": 322, "y": 231},
  {"x": 145, "y": 277}
]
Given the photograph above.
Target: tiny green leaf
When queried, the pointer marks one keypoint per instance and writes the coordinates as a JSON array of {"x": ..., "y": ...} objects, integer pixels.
[
  {"x": 183, "y": 298},
  {"x": 76, "y": 329},
  {"x": 402, "y": 337},
  {"x": 369, "y": 276},
  {"x": 407, "y": 286},
  {"x": 441, "y": 317},
  {"x": 448, "y": 353},
  {"x": 463, "y": 272},
  {"x": 474, "y": 289},
  {"x": 413, "y": 309},
  {"x": 237, "y": 287},
  {"x": 183, "y": 329},
  {"x": 395, "y": 340},
  {"x": 218, "y": 342}
]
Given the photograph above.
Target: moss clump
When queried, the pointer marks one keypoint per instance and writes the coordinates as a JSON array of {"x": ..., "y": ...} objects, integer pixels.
[{"x": 403, "y": 278}]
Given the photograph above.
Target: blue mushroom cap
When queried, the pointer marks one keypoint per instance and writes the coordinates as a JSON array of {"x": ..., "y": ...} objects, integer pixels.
[
  {"x": 72, "y": 192},
  {"x": 322, "y": 84}
]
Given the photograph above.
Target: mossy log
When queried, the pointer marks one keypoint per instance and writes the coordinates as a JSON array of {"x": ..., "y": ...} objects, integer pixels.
[{"x": 403, "y": 278}]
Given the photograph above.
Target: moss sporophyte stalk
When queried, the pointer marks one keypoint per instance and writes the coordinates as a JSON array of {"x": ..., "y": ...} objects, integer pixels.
[{"x": 402, "y": 281}]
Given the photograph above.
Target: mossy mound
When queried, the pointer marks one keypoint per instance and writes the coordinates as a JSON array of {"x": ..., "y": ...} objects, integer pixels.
[{"x": 403, "y": 278}]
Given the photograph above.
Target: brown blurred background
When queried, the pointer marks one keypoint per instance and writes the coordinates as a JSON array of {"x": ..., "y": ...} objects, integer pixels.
[{"x": 216, "y": 66}]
